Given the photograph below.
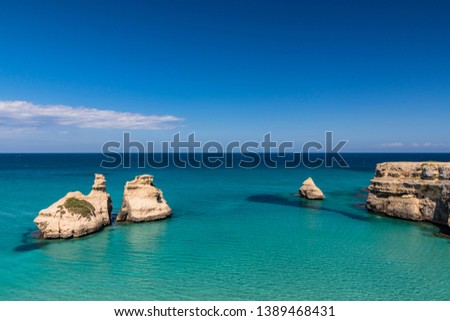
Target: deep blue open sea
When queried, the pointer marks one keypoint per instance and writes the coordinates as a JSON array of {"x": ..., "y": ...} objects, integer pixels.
[{"x": 235, "y": 234}]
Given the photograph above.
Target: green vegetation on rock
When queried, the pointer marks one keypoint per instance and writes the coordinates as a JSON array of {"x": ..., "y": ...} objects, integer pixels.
[{"x": 81, "y": 207}]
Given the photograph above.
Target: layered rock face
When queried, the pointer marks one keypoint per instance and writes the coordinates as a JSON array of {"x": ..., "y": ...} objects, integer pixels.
[
  {"x": 413, "y": 191},
  {"x": 77, "y": 214},
  {"x": 142, "y": 201},
  {"x": 310, "y": 191}
]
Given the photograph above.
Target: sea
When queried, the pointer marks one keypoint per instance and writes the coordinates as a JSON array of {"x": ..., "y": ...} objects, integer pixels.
[{"x": 235, "y": 234}]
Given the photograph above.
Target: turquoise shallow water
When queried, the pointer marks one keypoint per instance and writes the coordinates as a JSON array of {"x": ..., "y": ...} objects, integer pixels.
[{"x": 235, "y": 234}]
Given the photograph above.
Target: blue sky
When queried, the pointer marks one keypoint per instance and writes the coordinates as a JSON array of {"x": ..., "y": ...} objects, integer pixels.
[{"x": 74, "y": 74}]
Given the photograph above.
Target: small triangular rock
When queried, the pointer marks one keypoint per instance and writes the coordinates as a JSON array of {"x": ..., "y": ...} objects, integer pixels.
[{"x": 310, "y": 191}]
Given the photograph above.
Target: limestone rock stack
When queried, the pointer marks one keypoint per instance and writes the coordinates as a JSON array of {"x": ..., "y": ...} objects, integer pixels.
[
  {"x": 77, "y": 214},
  {"x": 142, "y": 201}
]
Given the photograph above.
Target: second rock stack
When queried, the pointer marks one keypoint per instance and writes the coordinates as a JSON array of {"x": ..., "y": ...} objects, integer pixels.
[{"x": 142, "y": 201}]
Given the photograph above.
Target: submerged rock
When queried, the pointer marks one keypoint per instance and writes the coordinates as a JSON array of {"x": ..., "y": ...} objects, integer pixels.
[
  {"x": 77, "y": 214},
  {"x": 418, "y": 191},
  {"x": 310, "y": 191},
  {"x": 142, "y": 201}
]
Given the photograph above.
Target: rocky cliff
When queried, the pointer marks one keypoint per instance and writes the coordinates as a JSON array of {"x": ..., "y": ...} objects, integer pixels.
[
  {"x": 77, "y": 214},
  {"x": 413, "y": 191},
  {"x": 142, "y": 201}
]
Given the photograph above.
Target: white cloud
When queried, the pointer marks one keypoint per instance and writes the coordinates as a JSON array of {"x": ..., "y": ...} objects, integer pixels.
[
  {"x": 24, "y": 114},
  {"x": 415, "y": 146},
  {"x": 433, "y": 145},
  {"x": 396, "y": 144}
]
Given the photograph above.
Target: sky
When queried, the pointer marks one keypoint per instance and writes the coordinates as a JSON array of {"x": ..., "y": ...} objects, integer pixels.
[{"x": 76, "y": 74}]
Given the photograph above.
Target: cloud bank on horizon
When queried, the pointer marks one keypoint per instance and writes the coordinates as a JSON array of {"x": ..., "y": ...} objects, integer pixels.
[
  {"x": 24, "y": 114},
  {"x": 400, "y": 145}
]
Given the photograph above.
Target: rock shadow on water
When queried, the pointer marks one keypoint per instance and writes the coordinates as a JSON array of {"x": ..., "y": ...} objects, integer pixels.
[
  {"x": 31, "y": 240},
  {"x": 362, "y": 194},
  {"x": 313, "y": 205},
  {"x": 360, "y": 205},
  {"x": 443, "y": 231}
]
